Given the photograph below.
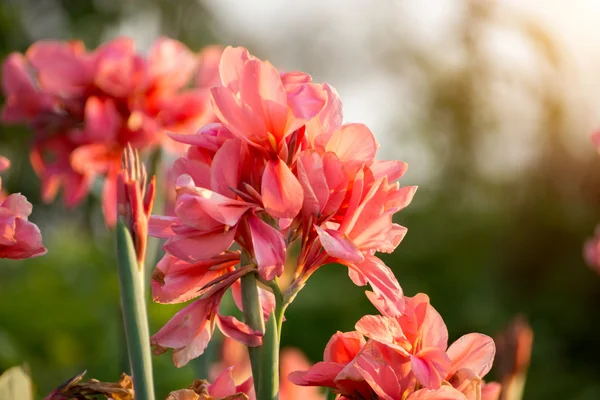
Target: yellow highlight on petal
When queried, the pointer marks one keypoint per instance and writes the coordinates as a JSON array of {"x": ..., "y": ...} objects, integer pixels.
[{"x": 135, "y": 121}]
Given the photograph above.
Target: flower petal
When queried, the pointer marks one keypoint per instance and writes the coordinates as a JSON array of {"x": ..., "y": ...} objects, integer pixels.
[
  {"x": 474, "y": 351},
  {"x": 234, "y": 329},
  {"x": 269, "y": 248},
  {"x": 281, "y": 192},
  {"x": 343, "y": 347},
  {"x": 201, "y": 246},
  {"x": 387, "y": 294},
  {"x": 320, "y": 374},
  {"x": 338, "y": 245},
  {"x": 430, "y": 366}
]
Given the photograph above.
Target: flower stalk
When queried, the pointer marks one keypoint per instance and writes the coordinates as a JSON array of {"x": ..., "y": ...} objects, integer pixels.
[
  {"x": 134, "y": 206},
  {"x": 253, "y": 315}
]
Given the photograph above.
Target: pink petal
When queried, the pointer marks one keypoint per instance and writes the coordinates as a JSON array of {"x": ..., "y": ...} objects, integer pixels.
[
  {"x": 206, "y": 204},
  {"x": 320, "y": 129},
  {"x": 199, "y": 247},
  {"x": 343, "y": 347},
  {"x": 434, "y": 332},
  {"x": 102, "y": 120},
  {"x": 355, "y": 146},
  {"x": 233, "y": 60},
  {"x": 237, "y": 116},
  {"x": 187, "y": 332},
  {"x": 234, "y": 329},
  {"x": 176, "y": 281},
  {"x": 305, "y": 101},
  {"x": 223, "y": 385},
  {"x": 27, "y": 241},
  {"x": 170, "y": 63},
  {"x": 269, "y": 248},
  {"x": 225, "y": 168},
  {"x": 161, "y": 227},
  {"x": 401, "y": 198},
  {"x": 387, "y": 294},
  {"x": 380, "y": 377},
  {"x": 430, "y": 366},
  {"x": 338, "y": 245},
  {"x": 320, "y": 374},
  {"x": 385, "y": 330},
  {"x": 336, "y": 181},
  {"x": 281, "y": 192},
  {"x": 18, "y": 205},
  {"x": 62, "y": 67},
  {"x": 260, "y": 88},
  {"x": 313, "y": 181},
  {"x": 391, "y": 169},
  {"x": 474, "y": 351}
]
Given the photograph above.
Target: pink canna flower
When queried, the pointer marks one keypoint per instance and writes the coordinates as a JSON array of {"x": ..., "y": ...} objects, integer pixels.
[
  {"x": 279, "y": 168},
  {"x": 405, "y": 357},
  {"x": 84, "y": 107},
  {"x": 20, "y": 238}
]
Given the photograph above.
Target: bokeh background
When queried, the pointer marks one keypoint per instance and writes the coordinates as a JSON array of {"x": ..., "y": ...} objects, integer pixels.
[{"x": 490, "y": 102}]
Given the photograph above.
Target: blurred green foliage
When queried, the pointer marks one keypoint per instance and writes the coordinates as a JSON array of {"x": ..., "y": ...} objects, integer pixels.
[{"x": 482, "y": 249}]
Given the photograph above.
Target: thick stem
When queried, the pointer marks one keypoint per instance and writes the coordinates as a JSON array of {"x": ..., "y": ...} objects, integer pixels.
[
  {"x": 268, "y": 387},
  {"x": 135, "y": 318},
  {"x": 253, "y": 316}
]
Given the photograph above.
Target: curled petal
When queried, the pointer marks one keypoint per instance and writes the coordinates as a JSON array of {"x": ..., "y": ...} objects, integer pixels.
[
  {"x": 234, "y": 329},
  {"x": 320, "y": 374},
  {"x": 338, "y": 245},
  {"x": 387, "y": 294},
  {"x": 188, "y": 332}
]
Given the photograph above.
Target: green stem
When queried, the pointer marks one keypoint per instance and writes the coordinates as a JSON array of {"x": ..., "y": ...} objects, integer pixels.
[
  {"x": 253, "y": 316},
  {"x": 135, "y": 318},
  {"x": 268, "y": 387}
]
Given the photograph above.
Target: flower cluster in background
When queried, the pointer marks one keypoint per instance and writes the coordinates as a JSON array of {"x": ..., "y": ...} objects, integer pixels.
[
  {"x": 19, "y": 238},
  {"x": 86, "y": 106}
]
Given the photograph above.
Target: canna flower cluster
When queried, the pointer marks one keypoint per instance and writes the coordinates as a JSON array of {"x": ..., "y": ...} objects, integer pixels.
[
  {"x": 277, "y": 168},
  {"x": 406, "y": 357},
  {"x": 19, "y": 238},
  {"x": 84, "y": 107}
]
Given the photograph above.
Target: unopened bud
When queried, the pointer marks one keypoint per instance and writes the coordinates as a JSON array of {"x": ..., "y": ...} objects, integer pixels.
[{"x": 135, "y": 199}]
